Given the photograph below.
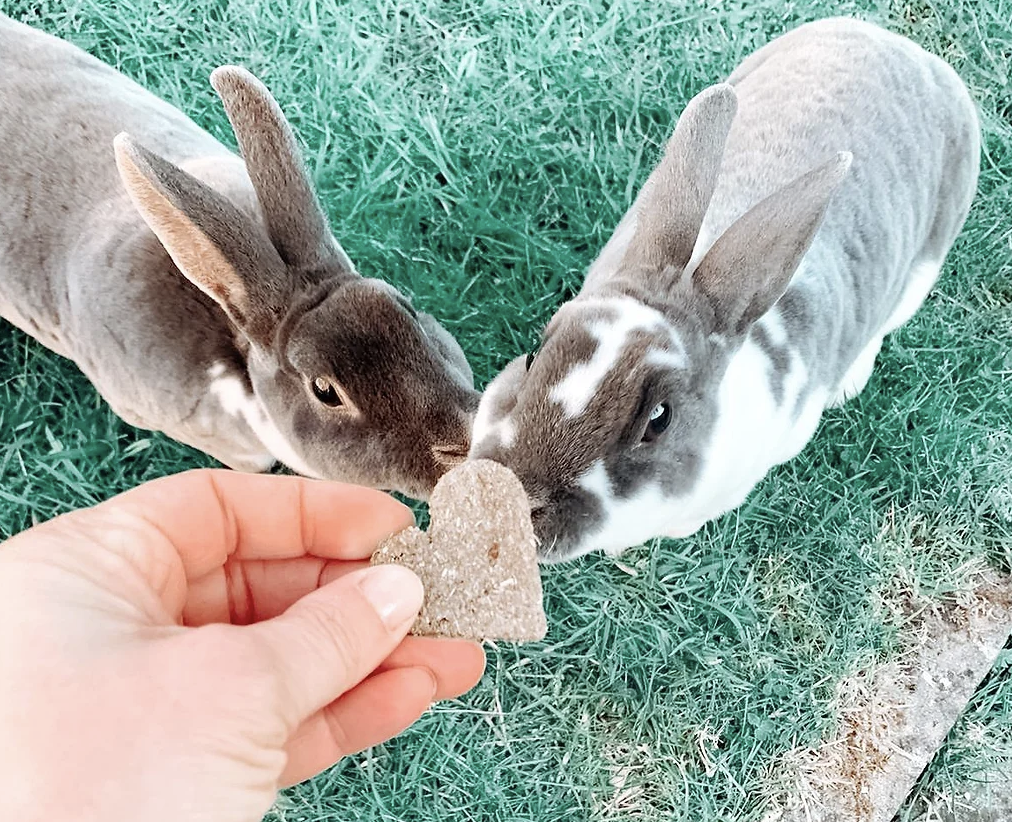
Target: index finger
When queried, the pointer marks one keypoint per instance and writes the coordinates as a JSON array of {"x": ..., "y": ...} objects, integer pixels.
[{"x": 210, "y": 515}]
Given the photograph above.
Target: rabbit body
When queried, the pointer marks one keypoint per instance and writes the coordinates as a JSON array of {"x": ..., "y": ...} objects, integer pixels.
[
  {"x": 803, "y": 210},
  {"x": 80, "y": 269},
  {"x": 89, "y": 245}
]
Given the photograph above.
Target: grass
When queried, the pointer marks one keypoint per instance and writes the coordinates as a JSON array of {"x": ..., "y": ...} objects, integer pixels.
[{"x": 476, "y": 154}]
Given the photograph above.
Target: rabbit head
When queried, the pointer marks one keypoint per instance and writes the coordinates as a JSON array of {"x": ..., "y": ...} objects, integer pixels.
[
  {"x": 352, "y": 383},
  {"x": 611, "y": 424}
]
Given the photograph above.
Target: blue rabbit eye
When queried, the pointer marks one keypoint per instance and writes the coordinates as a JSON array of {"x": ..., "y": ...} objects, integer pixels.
[{"x": 657, "y": 424}]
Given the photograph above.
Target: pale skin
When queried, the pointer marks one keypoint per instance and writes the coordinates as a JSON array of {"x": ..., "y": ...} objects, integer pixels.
[{"x": 184, "y": 650}]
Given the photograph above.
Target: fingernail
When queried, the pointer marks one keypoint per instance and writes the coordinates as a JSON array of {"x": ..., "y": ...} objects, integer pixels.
[{"x": 394, "y": 591}]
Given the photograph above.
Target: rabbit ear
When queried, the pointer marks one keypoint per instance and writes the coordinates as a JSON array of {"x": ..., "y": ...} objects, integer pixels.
[
  {"x": 215, "y": 245},
  {"x": 678, "y": 191},
  {"x": 750, "y": 265},
  {"x": 295, "y": 220}
]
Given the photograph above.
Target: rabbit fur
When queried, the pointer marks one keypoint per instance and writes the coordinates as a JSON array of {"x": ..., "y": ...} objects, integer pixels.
[
  {"x": 203, "y": 294},
  {"x": 803, "y": 210}
]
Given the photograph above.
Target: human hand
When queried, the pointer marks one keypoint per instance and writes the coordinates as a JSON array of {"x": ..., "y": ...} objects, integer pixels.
[{"x": 184, "y": 649}]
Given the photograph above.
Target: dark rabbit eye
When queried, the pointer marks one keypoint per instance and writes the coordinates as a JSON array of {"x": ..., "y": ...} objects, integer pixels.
[
  {"x": 530, "y": 359},
  {"x": 326, "y": 393},
  {"x": 660, "y": 419}
]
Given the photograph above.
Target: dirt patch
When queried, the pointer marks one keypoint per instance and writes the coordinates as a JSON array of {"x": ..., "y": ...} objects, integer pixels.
[{"x": 893, "y": 717}]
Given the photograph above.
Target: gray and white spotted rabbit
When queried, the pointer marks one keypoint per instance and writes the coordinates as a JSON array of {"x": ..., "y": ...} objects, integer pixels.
[
  {"x": 802, "y": 211},
  {"x": 205, "y": 296}
]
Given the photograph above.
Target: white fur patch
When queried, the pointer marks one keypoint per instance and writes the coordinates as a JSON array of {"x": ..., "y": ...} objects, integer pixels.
[
  {"x": 665, "y": 358},
  {"x": 484, "y": 428},
  {"x": 628, "y": 521},
  {"x": 773, "y": 324},
  {"x": 752, "y": 433},
  {"x": 231, "y": 393},
  {"x": 503, "y": 431},
  {"x": 578, "y": 387}
]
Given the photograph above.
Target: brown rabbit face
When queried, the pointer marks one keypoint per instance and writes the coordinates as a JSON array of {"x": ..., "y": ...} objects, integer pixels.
[
  {"x": 349, "y": 382},
  {"x": 601, "y": 423},
  {"x": 362, "y": 389}
]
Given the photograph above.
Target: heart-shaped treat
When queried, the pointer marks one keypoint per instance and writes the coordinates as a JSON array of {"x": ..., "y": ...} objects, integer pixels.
[{"x": 477, "y": 561}]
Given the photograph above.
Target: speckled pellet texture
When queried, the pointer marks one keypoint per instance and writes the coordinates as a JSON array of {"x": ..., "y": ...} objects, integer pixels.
[{"x": 477, "y": 561}]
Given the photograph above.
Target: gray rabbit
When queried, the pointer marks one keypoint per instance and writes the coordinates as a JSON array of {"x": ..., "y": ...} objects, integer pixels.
[
  {"x": 802, "y": 211},
  {"x": 205, "y": 296}
]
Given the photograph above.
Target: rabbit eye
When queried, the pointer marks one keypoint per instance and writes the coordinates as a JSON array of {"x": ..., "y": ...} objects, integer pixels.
[
  {"x": 325, "y": 392},
  {"x": 530, "y": 360},
  {"x": 660, "y": 419}
]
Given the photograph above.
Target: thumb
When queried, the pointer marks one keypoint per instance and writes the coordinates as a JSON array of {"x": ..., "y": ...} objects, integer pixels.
[{"x": 333, "y": 638}]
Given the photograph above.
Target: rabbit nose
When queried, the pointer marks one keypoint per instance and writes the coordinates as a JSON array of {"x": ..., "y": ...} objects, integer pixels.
[
  {"x": 539, "y": 504},
  {"x": 448, "y": 456}
]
